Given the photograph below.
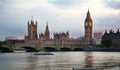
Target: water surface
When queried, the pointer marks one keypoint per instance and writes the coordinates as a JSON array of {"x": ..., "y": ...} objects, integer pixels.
[{"x": 60, "y": 61}]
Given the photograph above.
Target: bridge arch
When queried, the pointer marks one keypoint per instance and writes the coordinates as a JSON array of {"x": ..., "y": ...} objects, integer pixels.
[
  {"x": 5, "y": 50},
  {"x": 30, "y": 49}
]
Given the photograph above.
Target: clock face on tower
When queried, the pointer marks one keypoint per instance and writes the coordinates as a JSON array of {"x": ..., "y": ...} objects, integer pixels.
[
  {"x": 90, "y": 24},
  {"x": 86, "y": 24}
]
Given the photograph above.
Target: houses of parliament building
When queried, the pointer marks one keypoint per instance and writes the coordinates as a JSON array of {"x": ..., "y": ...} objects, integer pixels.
[{"x": 59, "y": 39}]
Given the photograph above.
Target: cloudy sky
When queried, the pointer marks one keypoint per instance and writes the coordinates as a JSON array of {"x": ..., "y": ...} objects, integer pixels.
[{"x": 61, "y": 15}]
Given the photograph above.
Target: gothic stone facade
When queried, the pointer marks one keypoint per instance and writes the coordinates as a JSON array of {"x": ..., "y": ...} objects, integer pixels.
[
  {"x": 60, "y": 39},
  {"x": 88, "y": 30},
  {"x": 32, "y": 31},
  {"x": 46, "y": 35}
]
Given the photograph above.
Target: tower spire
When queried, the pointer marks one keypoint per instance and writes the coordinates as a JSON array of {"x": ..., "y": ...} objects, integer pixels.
[
  {"x": 47, "y": 33},
  {"x": 88, "y": 13},
  {"x": 88, "y": 17},
  {"x": 47, "y": 24},
  {"x": 32, "y": 22},
  {"x": 88, "y": 29}
]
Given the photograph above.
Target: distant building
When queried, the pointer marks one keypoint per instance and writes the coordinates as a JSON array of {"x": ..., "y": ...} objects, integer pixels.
[
  {"x": 14, "y": 40},
  {"x": 32, "y": 31},
  {"x": 61, "y": 36},
  {"x": 97, "y": 37},
  {"x": 11, "y": 38},
  {"x": 46, "y": 35},
  {"x": 88, "y": 30},
  {"x": 114, "y": 36},
  {"x": 59, "y": 39}
]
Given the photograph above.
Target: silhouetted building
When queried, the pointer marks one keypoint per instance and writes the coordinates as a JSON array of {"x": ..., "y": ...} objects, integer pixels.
[
  {"x": 88, "y": 29},
  {"x": 114, "y": 36}
]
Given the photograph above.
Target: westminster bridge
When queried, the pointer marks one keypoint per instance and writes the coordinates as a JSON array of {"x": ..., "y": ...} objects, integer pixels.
[
  {"x": 51, "y": 45},
  {"x": 35, "y": 46}
]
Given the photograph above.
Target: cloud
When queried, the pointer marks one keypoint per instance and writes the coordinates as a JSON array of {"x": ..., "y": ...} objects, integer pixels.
[
  {"x": 12, "y": 19},
  {"x": 66, "y": 2},
  {"x": 63, "y": 4},
  {"x": 62, "y": 15},
  {"x": 107, "y": 22},
  {"x": 113, "y": 3}
]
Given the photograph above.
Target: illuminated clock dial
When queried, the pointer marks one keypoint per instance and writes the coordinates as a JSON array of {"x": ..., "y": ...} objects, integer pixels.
[
  {"x": 90, "y": 24},
  {"x": 86, "y": 24}
]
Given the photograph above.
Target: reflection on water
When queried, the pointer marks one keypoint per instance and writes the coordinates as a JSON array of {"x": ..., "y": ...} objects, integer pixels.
[
  {"x": 60, "y": 61},
  {"x": 31, "y": 61},
  {"x": 88, "y": 60}
]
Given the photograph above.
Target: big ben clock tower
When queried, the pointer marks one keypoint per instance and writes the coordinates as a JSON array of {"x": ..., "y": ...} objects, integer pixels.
[{"x": 88, "y": 29}]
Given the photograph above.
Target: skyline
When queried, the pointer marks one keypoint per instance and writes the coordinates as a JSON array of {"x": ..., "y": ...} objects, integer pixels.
[{"x": 61, "y": 15}]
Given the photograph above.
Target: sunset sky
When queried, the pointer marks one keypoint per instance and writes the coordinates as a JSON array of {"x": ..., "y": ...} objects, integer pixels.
[{"x": 61, "y": 15}]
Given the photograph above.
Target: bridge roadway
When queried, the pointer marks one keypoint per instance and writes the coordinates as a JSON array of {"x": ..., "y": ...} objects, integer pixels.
[
  {"x": 19, "y": 47},
  {"x": 36, "y": 48},
  {"x": 25, "y": 48}
]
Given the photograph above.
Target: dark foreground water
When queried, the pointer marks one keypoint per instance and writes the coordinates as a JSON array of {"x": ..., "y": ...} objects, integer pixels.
[{"x": 60, "y": 61}]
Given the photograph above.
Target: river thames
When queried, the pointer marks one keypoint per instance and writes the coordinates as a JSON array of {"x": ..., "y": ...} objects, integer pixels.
[{"x": 60, "y": 61}]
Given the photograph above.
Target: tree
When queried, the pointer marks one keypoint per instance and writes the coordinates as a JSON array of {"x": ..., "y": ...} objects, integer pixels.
[
  {"x": 2, "y": 43},
  {"x": 107, "y": 42}
]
